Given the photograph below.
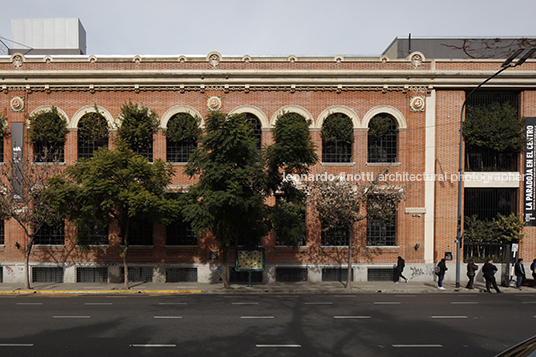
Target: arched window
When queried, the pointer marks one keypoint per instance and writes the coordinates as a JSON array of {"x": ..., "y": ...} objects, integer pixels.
[
  {"x": 382, "y": 139},
  {"x": 92, "y": 134},
  {"x": 256, "y": 128},
  {"x": 337, "y": 138},
  {"x": 182, "y": 134}
]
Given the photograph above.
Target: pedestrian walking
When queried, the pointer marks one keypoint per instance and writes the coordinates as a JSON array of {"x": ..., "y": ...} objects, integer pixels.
[
  {"x": 519, "y": 271},
  {"x": 533, "y": 270},
  {"x": 471, "y": 272},
  {"x": 400, "y": 264},
  {"x": 441, "y": 269},
  {"x": 489, "y": 270}
]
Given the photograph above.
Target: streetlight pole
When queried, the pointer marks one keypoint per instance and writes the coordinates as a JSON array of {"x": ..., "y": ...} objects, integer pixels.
[{"x": 506, "y": 64}]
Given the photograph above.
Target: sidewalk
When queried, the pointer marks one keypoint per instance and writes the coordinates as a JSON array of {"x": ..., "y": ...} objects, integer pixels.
[{"x": 376, "y": 287}]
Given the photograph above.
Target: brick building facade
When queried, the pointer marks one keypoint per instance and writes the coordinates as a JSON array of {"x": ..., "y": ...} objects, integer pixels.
[{"x": 423, "y": 96}]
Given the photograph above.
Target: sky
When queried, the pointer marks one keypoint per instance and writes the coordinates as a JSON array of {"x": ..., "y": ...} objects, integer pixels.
[{"x": 273, "y": 27}]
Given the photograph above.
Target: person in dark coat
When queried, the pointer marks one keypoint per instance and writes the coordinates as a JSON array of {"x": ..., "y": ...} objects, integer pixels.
[
  {"x": 533, "y": 270},
  {"x": 489, "y": 274},
  {"x": 471, "y": 272},
  {"x": 519, "y": 271},
  {"x": 399, "y": 269},
  {"x": 442, "y": 268}
]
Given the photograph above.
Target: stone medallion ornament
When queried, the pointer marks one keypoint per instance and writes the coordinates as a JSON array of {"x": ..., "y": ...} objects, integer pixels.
[
  {"x": 416, "y": 59},
  {"x": 214, "y": 59},
  {"x": 17, "y": 104},
  {"x": 214, "y": 104},
  {"x": 17, "y": 60},
  {"x": 416, "y": 104}
]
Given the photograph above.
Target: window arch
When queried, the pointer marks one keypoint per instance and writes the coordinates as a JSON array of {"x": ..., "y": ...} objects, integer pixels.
[
  {"x": 182, "y": 135},
  {"x": 92, "y": 134},
  {"x": 337, "y": 138},
  {"x": 382, "y": 139},
  {"x": 256, "y": 129}
]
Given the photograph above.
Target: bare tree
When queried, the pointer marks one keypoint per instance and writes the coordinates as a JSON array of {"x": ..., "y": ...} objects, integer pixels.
[
  {"x": 22, "y": 199},
  {"x": 341, "y": 203}
]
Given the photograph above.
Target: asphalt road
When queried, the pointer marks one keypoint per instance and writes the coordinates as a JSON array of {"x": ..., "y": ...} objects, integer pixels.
[{"x": 266, "y": 325}]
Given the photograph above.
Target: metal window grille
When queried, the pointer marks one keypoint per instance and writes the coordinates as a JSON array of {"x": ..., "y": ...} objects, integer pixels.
[
  {"x": 87, "y": 141},
  {"x": 47, "y": 275},
  {"x": 336, "y": 236},
  {"x": 1, "y": 274},
  {"x": 479, "y": 251},
  {"x": 179, "y": 275},
  {"x": 180, "y": 151},
  {"x": 242, "y": 276},
  {"x": 483, "y": 97},
  {"x": 180, "y": 233},
  {"x": 49, "y": 152},
  {"x": 335, "y": 274},
  {"x": 486, "y": 203},
  {"x": 337, "y": 152},
  {"x": 92, "y": 275},
  {"x": 290, "y": 274},
  {"x": 2, "y": 150},
  {"x": 145, "y": 151},
  {"x": 381, "y": 231},
  {"x": 384, "y": 148},
  {"x": 2, "y": 233},
  {"x": 380, "y": 274},
  {"x": 51, "y": 234},
  {"x": 279, "y": 241},
  {"x": 485, "y": 159},
  {"x": 256, "y": 129},
  {"x": 141, "y": 234},
  {"x": 138, "y": 274}
]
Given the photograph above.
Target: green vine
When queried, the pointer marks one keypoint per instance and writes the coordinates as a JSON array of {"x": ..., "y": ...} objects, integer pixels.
[
  {"x": 494, "y": 126},
  {"x": 4, "y": 129},
  {"x": 337, "y": 128},
  {"x": 379, "y": 126},
  {"x": 47, "y": 127},
  {"x": 138, "y": 124},
  {"x": 183, "y": 126}
]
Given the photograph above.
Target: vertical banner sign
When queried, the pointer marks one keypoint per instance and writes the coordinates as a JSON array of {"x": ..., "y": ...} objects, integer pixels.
[
  {"x": 529, "y": 179},
  {"x": 17, "y": 158}
]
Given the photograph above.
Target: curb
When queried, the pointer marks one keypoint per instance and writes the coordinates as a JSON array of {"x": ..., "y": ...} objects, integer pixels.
[{"x": 99, "y": 292}]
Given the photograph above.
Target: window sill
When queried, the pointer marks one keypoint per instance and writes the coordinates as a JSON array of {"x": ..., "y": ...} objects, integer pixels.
[
  {"x": 392, "y": 247},
  {"x": 338, "y": 163},
  {"x": 383, "y": 164}
]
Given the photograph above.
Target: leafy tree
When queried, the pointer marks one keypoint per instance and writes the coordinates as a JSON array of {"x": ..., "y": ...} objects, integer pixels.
[
  {"x": 494, "y": 126},
  {"x": 337, "y": 128},
  {"x": 47, "y": 131},
  {"x": 113, "y": 185},
  {"x": 23, "y": 184},
  {"x": 341, "y": 204},
  {"x": 138, "y": 124},
  {"x": 228, "y": 199},
  {"x": 501, "y": 228},
  {"x": 183, "y": 126}
]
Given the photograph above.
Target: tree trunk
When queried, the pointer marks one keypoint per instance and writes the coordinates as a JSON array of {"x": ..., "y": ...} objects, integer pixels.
[
  {"x": 350, "y": 253},
  {"x": 27, "y": 263},
  {"x": 224, "y": 275},
  {"x": 124, "y": 255}
]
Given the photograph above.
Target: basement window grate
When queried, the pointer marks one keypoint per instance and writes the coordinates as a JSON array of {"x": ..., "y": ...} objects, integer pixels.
[
  {"x": 92, "y": 275},
  {"x": 290, "y": 274},
  {"x": 242, "y": 276},
  {"x": 380, "y": 274},
  {"x": 138, "y": 274},
  {"x": 335, "y": 274},
  {"x": 47, "y": 275},
  {"x": 178, "y": 275}
]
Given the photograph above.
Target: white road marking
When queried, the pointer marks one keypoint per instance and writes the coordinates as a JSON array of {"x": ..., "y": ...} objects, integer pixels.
[
  {"x": 464, "y": 302},
  {"x": 448, "y": 317},
  {"x": 245, "y": 303},
  {"x": 16, "y": 345},
  {"x": 352, "y": 317},
  {"x": 29, "y": 303},
  {"x": 318, "y": 303},
  {"x": 278, "y": 346},
  {"x": 256, "y": 317},
  {"x": 153, "y": 345},
  {"x": 98, "y": 303},
  {"x": 173, "y": 303},
  {"x": 168, "y": 317},
  {"x": 387, "y": 303},
  {"x": 71, "y": 317},
  {"x": 417, "y": 346}
]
